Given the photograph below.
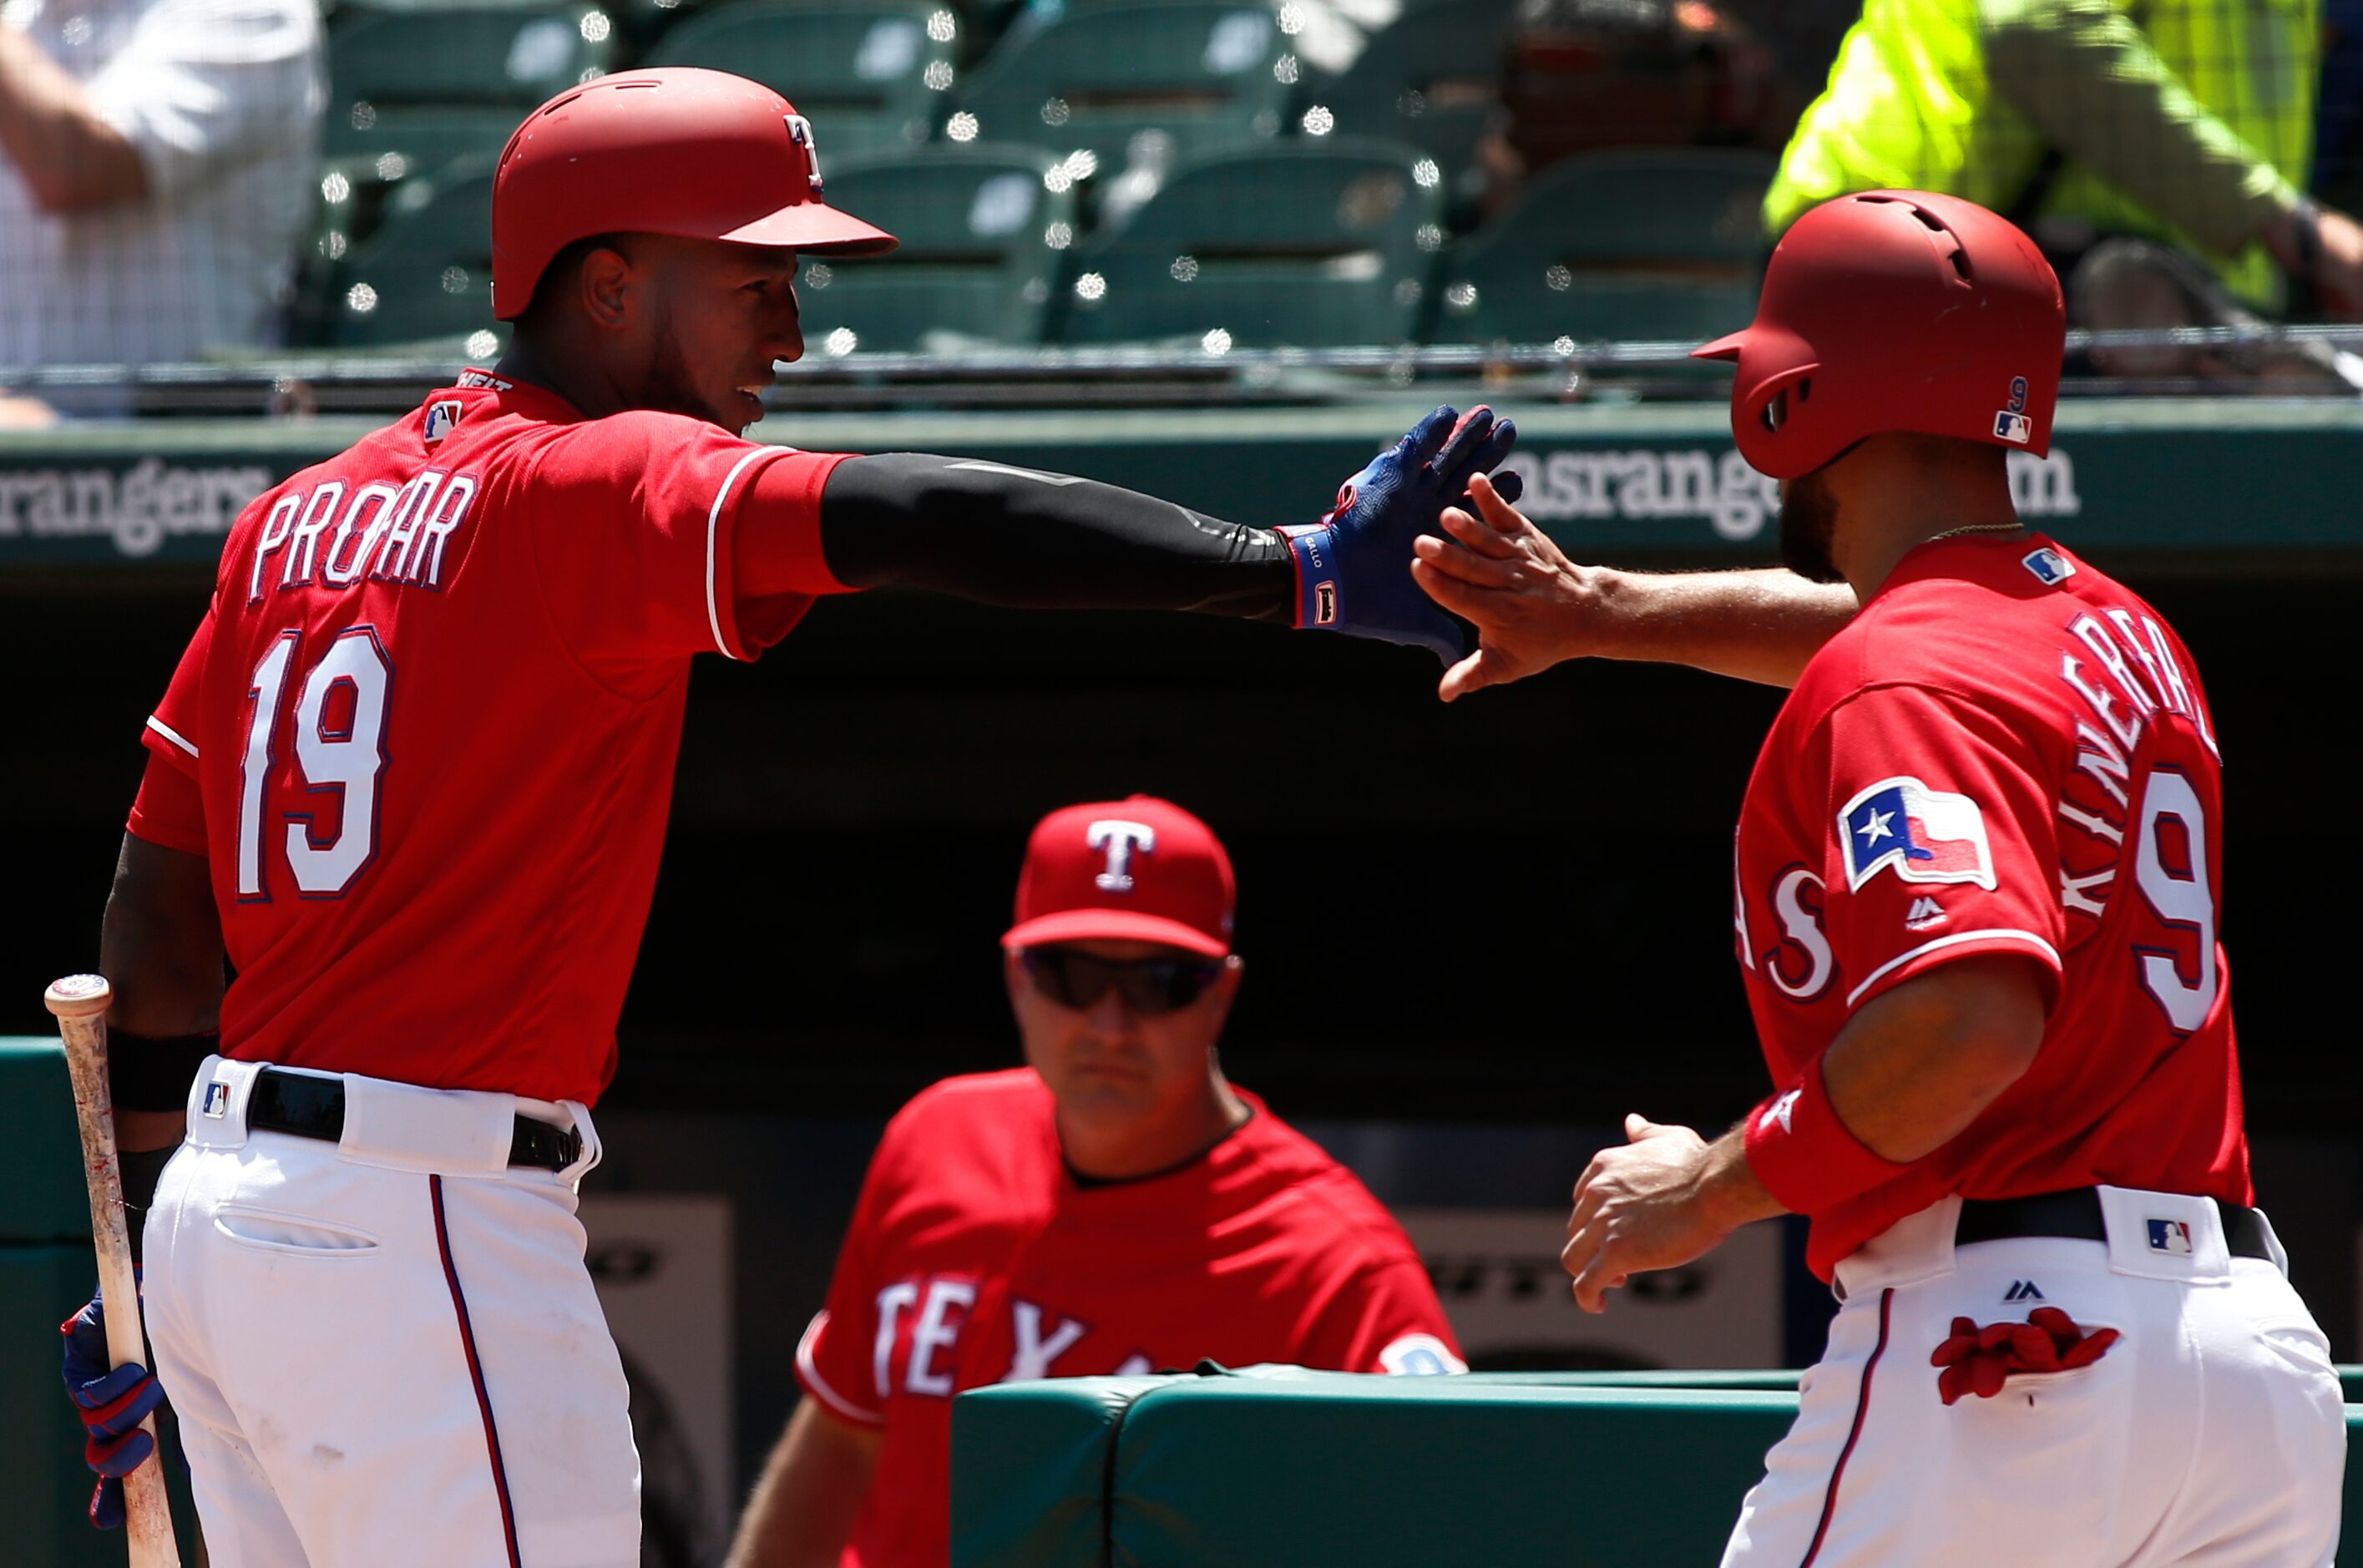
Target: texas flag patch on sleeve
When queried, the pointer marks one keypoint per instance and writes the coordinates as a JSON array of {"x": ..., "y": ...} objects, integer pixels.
[{"x": 1923, "y": 834}]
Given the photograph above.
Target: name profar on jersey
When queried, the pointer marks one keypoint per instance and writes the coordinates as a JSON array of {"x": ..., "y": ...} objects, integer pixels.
[{"x": 377, "y": 533}]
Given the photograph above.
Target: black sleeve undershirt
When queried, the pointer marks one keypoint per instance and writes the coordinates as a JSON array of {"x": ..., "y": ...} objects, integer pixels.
[{"x": 1032, "y": 540}]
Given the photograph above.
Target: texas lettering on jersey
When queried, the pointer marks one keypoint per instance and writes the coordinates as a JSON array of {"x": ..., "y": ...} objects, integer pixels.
[
  {"x": 2006, "y": 753},
  {"x": 974, "y": 1257},
  {"x": 917, "y": 1347}
]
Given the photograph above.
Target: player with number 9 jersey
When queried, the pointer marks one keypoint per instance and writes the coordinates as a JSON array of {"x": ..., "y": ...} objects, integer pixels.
[{"x": 2005, "y": 753}]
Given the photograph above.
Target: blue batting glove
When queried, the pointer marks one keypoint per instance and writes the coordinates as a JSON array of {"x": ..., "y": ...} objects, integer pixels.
[
  {"x": 112, "y": 1403},
  {"x": 1353, "y": 567}
]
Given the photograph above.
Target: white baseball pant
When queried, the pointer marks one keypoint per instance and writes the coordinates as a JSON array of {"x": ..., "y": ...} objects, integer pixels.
[
  {"x": 387, "y": 1350},
  {"x": 2211, "y": 1434}
]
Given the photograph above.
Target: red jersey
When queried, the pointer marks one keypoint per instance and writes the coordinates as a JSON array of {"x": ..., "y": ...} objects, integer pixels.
[
  {"x": 2006, "y": 753},
  {"x": 425, "y": 733},
  {"x": 975, "y": 1257}
]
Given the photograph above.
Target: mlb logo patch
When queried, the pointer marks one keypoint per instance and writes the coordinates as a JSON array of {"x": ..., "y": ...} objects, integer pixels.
[
  {"x": 2170, "y": 1235},
  {"x": 1925, "y": 835},
  {"x": 441, "y": 417},
  {"x": 2015, "y": 428},
  {"x": 1325, "y": 604},
  {"x": 216, "y": 1100},
  {"x": 2049, "y": 566}
]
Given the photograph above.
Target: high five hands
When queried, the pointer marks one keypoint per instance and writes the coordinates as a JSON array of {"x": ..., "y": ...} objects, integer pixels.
[{"x": 1530, "y": 603}]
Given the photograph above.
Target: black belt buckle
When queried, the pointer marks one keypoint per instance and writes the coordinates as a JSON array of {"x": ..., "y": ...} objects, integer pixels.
[{"x": 545, "y": 1147}]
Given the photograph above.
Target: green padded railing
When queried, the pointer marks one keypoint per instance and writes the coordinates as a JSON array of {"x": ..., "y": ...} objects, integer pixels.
[{"x": 1277, "y": 1467}]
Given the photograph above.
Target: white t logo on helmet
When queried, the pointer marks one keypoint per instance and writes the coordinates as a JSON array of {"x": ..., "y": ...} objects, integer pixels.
[
  {"x": 1118, "y": 839},
  {"x": 800, "y": 132}
]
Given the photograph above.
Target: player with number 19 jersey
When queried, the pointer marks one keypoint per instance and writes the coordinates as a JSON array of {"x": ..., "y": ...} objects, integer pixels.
[
  {"x": 2005, "y": 753},
  {"x": 433, "y": 711}
]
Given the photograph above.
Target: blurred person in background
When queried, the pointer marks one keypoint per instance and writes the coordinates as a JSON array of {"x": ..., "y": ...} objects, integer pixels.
[
  {"x": 1114, "y": 1207},
  {"x": 159, "y": 159},
  {"x": 1582, "y": 76},
  {"x": 2160, "y": 160}
]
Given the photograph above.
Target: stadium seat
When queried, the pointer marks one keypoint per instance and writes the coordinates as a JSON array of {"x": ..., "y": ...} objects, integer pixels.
[
  {"x": 1202, "y": 71},
  {"x": 1658, "y": 244},
  {"x": 1306, "y": 243},
  {"x": 870, "y": 77},
  {"x": 982, "y": 238},
  {"x": 1432, "y": 78},
  {"x": 438, "y": 82},
  {"x": 427, "y": 270}
]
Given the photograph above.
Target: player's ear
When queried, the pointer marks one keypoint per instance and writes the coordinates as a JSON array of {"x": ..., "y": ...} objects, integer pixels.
[
  {"x": 1012, "y": 974},
  {"x": 606, "y": 285}
]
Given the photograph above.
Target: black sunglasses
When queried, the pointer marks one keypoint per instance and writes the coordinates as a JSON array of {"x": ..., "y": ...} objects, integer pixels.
[{"x": 1150, "y": 987}]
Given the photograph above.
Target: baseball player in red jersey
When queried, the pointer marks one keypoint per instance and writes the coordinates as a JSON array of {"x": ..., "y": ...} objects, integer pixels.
[
  {"x": 411, "y": 777},
  {"x": 1114, "y": 1207},
  {"x": 1978, "y": 884}
]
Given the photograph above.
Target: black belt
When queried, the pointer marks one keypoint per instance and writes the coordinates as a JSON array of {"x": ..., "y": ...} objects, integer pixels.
[
  {"x": 2076, "y": 1215},
  {"x": 308, "y": 1106}
]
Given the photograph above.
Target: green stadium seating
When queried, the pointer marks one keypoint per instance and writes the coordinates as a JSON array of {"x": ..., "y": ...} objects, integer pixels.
[
  {"x": 1204, "y": 73},
  {"x": 441, "y": 82},
  {"x": 982, "y": 240},
  {"x": 426, "y": 270},
  {"x": 1305, "y": 243},
  {"x": 1432, "y": 78},
  {"x": 871, "y": 76},
  {"x": 1658, "y": 244}
]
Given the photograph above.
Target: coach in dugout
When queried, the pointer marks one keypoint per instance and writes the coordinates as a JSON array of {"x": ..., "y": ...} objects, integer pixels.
[{"x": 1114, "y": 1207}]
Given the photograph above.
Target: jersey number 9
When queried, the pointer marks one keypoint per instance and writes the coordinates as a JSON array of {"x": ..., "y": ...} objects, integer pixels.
[{"x": 2170, "y": 866}]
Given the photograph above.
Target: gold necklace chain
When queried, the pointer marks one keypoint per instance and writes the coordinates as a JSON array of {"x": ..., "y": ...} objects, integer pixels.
[{"x": 2009, "y": 527}]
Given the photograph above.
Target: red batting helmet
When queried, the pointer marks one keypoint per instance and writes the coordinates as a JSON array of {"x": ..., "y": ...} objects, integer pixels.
[
  {"x": 702, "y": 154},
  {"x": 1895, "y": 310}
]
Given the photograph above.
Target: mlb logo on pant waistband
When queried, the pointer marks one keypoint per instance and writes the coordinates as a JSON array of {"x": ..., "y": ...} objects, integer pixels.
[
  {"x": 216, "y": 1100},
  {"x": 2170, "y": 1236}
]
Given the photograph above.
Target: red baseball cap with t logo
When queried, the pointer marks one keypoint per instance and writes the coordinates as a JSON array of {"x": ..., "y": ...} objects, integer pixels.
[{"x": 1138, "y": 869}]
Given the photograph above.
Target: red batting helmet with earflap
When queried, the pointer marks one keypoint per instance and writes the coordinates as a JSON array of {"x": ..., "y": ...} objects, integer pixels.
[
  {"x": 1895, "y": 310},
  {"x": 701, "y": 154}
]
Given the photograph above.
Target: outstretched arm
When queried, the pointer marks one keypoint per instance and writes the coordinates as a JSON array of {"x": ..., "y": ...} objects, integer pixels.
[
  {"x": 1035, "y": 541},
  {"x": 1533, "y": 608},
  {"x": 1031, "y": 539}
]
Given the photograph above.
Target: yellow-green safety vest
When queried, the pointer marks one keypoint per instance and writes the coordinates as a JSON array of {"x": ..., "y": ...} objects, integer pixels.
[{"x": 1908, "y": 105}]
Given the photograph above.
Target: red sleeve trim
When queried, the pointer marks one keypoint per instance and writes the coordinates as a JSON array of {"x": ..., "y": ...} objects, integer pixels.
[
  {"x": 808, "y": 1374},
  {"x": 170, "y": 810}
]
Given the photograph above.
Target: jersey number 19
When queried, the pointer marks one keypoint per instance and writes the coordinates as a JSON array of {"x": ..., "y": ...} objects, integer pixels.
[{"x": 339, "y": 736}]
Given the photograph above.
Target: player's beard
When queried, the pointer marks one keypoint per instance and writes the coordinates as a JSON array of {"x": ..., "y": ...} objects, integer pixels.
[
  {"x": 1809, "y": 521},
  {"x": 667, "y": 385}
]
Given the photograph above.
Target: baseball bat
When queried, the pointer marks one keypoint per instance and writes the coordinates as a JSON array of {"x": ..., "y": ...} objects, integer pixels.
[{"x": 80, "y": 1002}]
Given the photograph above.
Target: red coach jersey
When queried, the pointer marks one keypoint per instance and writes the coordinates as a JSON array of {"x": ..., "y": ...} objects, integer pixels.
[
  {"x": 2005, "y": 753},
  {"x": 431, "y": 718},
  {"x": 975, "y": 1257}
]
